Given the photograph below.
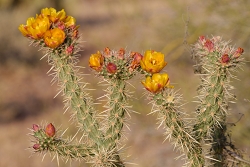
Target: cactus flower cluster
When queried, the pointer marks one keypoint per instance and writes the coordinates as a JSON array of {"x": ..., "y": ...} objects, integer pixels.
[{"x": 50, "y": 27}]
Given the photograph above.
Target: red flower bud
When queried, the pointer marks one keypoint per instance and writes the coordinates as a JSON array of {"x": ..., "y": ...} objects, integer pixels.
[
  {"x": 35, "y": 127},
  {"x": 209, "y": 45},
  {"x": 69, "y": 50},
  {"x": 121, "y": 53},
  {"x": 107, "y": 52},
  {"x": 36, "y": 146},
  {"x": 225, "y": 59},
  {"x": 50, "y": 130},
  {"x": 137, "y": 57},
  {"x": 202, "y": 38},
  {"x": 111, "y": 68},
  {"x": 61, "y": 25},
  {"x": 238, "y": 52}
]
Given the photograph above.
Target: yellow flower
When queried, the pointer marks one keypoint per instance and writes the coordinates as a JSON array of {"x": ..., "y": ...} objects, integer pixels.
[
  {"x": 156, "y": 83},
  {"x": 53, "y": 15},
  {"x": 54, "y": 37},
  {"x": 36, "y": 27},
  {"x": 96, "y": 61},
  {"x": 69, "y": 21},
  {"x": 153, "y": 62}
]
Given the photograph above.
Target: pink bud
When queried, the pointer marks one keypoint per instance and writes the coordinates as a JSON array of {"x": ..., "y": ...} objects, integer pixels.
[
  {"x": 69, "y": 50},
  {"x": 61, "y": 25},
  {"x": 50, "y": 130},
  {"x": 209, "y": 45},
  {"x": 36, "y": 146},
  {"x": 202, "y": 38},
  {"x": 35, "y": 127},
  {"x": 111, "y": 68},
  {"x": 225, "y": 58}
]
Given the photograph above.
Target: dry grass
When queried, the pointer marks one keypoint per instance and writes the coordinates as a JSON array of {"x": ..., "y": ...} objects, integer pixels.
[{"x": 27, "y": 97}]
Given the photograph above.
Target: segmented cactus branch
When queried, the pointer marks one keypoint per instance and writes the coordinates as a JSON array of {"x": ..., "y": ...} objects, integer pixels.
[
  {"x": 167, "y": 105},
  {"x": 75, "y": 97},
  {"x": 217, "y": 60},
  {"x": 116, "y": 110}
]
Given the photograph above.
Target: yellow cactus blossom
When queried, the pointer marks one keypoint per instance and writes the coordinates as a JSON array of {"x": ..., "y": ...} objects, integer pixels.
[
  {"x": 96, "y": 61},
  {"x": 36, "y": 27},
  {"x": 53, "y": 15},
  {"x": 54, "y": 37},
  {"x": 156, "y": 83},
  {"x": 153, "y": 62},
  {"x": 69, "y": 21}
]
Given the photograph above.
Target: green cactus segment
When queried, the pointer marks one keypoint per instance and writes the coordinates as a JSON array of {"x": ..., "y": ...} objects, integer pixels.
[
  {"x": 61, "y": 147},
  {"x": 213, "y": 109},
  {"x": 116, "y": 108},
  {"x": 75, "y": 97},
  {"x": 216, "y": 60},
  {"x": 212, "y": 115},
  {"x": 167, "y": 105}
]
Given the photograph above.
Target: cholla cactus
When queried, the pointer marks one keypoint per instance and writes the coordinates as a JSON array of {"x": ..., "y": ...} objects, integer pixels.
[{"x": 57, "y": 34}]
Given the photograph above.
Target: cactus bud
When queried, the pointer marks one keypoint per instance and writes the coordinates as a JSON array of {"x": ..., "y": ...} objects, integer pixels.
[
  {"x": 111, "y": 68},
  {"x": 121, "y": 53},
  {"x": 35, "y": 127},
  {"x": 225, "y": 59},
  {"x": 107, "y": 52},
  {"x": 36, "y": 146},
  {"x": 238, "y": 53},
  {"x": 209, "y": 45},
  {"x": 137, "y": 57},
  {"x": 50, "y": 130},
  {"x": 69, "y": 50}
]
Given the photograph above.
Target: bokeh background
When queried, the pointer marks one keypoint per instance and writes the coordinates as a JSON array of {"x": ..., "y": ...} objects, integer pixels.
[{"x": 26, "y": 94}]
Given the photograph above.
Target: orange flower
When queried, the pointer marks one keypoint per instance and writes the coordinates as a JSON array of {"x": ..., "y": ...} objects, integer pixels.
[
  {"x": 156, "y": 83},
  {"x": 53, "y": 15},
  {"x": 96, "y": 61},
  {"x": 36, "y": 27},
  {"x": 153, "y": 62},
  {"x": 69, "y": 21},
  {"x": 54, "y": 37}
]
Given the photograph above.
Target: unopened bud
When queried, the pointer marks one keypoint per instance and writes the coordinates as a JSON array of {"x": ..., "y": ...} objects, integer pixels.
[
  {"x": 35, "y": 127},
  {"x": 137, "y": 57},
  {"x": 121, "y": 53},
  {"x": 69, "y": 50},
  {"x": 36, "y": 146},
  {"x": 209, "y": 45},
  {"x": 111, "y": 68},
  {"x": 61, "y": 25},
  {"x": 50, "y": 130},
  {"x": 202, "y": 38},
  {"x": 225, "y": 59},
  {"x": 238, "y": 52},
  {"x": 107, "y": 52}
]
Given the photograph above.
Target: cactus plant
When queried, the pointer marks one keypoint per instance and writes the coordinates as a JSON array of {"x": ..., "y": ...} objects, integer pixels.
[{"x": 202, "y": 141}]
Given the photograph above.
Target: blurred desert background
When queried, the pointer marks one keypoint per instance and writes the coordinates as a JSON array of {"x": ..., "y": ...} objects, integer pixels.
[{"x": 26, "y": 94}]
